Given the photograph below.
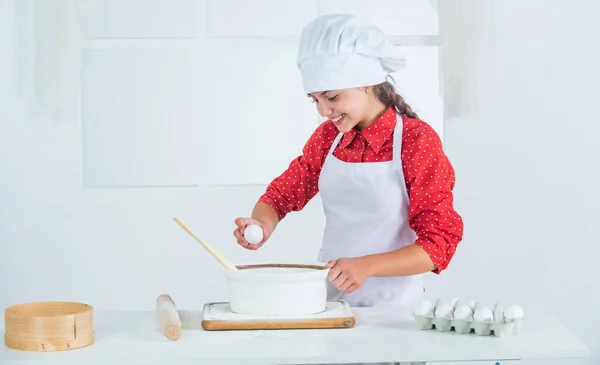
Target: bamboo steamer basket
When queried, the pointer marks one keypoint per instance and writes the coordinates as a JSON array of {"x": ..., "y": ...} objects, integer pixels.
[{"x": 48, "y": 326}]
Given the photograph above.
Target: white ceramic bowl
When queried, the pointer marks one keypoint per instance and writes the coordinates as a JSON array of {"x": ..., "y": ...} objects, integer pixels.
[{"x": 278, "y": 289}]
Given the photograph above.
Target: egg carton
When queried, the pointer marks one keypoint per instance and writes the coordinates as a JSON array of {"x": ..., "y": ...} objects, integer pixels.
[{"x": 501, "y": 323}]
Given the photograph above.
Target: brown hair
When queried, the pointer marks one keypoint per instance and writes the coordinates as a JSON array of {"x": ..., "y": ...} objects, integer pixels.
[{"x": 387, "y": 94}]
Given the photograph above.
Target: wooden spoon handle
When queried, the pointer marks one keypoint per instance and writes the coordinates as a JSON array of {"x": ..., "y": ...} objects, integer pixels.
[{"x": 228, "y": 265}]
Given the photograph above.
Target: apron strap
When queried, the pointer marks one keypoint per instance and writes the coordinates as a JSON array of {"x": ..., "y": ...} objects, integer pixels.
[
  {"x": 397, "y": 146},
  {"x": 335, "y": 143}
]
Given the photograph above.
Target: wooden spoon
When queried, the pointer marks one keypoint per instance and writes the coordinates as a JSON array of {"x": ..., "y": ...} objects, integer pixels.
[{"x": 228, "y": 265}]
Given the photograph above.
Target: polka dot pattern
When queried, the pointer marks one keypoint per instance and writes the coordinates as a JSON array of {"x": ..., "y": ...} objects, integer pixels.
[{"x": 428, "y": 173}]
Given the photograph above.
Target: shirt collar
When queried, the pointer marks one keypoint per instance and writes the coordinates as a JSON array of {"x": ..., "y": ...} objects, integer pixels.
[{"x": 376, "y": 134}]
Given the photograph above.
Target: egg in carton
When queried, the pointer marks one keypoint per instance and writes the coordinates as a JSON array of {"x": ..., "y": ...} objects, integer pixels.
[{"x": 464, "y": 317}]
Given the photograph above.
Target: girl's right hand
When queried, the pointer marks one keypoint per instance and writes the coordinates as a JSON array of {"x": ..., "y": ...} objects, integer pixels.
[{"x": 238, "y": 233}]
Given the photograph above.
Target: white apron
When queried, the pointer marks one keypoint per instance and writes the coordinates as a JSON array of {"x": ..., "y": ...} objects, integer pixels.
[{"x": 366, "y": 212}]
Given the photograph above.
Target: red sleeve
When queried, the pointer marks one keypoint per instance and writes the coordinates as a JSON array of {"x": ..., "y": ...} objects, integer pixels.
[
  {"x": 298, "y": 184},
  {"x": 430, "y": 180}
]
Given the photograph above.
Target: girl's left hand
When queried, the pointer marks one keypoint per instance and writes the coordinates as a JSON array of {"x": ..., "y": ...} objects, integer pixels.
[{"x": 347, "y": 274}]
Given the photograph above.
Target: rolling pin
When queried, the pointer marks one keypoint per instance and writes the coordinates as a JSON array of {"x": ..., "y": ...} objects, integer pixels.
[{"x": 167, "y": 316}]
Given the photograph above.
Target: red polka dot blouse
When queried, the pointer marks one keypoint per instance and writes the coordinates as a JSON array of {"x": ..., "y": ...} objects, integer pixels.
[{"x": 428, "y": 173}]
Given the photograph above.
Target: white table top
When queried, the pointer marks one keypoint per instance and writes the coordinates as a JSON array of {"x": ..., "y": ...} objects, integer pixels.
[{"x": 380, "y": 335}]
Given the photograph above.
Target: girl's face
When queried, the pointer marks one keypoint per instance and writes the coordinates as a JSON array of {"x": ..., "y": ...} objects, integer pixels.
[{"x": 348, "y": 108}]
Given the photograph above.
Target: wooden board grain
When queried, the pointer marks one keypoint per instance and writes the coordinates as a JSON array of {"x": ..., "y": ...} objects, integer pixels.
[{"x": 217, "y": 317}]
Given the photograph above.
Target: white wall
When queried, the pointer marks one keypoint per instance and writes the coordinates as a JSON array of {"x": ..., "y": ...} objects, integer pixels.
[
  {"x": 167, "y": 116},
  {"x": 525, "y": 164},
  {"x": 527, "y": 169}
]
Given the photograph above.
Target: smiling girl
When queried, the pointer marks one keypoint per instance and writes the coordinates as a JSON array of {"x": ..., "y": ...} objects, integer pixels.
[{"x": 385, "y": 182}]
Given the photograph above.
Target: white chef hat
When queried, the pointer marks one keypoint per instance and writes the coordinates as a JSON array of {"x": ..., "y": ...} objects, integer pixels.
[{"x": 339, "y": 51}]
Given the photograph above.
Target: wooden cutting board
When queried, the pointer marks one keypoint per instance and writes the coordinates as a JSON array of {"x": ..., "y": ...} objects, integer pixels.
[{"x": 217, "y": 316}]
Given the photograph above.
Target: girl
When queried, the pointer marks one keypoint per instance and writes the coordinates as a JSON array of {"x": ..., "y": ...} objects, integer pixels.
[{"x": 385, "y": 182}]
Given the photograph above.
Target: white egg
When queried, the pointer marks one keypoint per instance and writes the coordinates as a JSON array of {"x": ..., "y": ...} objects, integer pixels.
[
  {"x": 425, "y": 308},
  {"x": 484, "y": 314},
  {"x": 463, "y": 312},
  {"x": 514, "y": 311},
  {"x": 480, "y": 305},
  {"x": 439, "y": 301},
  {"x": 253, "y": 234},
  {"x": 498, "y": 314},
  {"x": 444, "y": 310},
  {"x": 461, "y": 303}
]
